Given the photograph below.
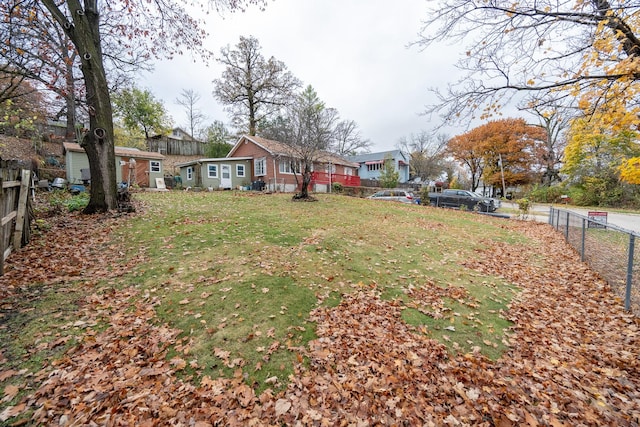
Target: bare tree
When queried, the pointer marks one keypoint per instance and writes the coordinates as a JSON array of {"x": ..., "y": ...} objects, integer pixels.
[
  {"x": 347, "y": 139},
  {"x": 253, "y": 88},
  {"x": 536, "y": 50},
  {"x": 549, "y": 154},
  {"x": 155, "y": 27},
  {"x": 195, "y": 117},
  {"x": 308, "y": 133},
  {"x": 426, "y": 154}
]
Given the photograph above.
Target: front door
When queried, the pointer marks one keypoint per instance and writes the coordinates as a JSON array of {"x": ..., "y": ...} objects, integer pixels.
[{"x": 225, "y": 176}]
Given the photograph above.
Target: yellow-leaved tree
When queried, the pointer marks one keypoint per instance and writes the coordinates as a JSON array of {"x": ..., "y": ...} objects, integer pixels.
[
  {"x": 594, "y": 154},
  {"x": 630, "y": 170},
  {"x": 540, "y": 54}
]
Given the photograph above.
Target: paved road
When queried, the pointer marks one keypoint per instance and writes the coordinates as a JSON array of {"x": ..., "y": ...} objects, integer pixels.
[{"x": 628, "y": 221}]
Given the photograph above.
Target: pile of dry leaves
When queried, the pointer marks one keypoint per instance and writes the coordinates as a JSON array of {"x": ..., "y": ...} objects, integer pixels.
[{"x": 574, "y": 355}]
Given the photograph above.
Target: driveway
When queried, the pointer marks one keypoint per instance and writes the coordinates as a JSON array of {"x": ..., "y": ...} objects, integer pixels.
[{"x": 540, "y": 212}]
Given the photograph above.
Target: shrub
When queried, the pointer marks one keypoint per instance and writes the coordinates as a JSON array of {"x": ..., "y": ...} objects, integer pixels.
[
  {"x": 424, "y": 196},
  {"x": 61, "y": 199},
  {"x": 337, "y": 187},
  {"x": 546, "y": 194},
  {"x": 524, "y": 205},
  {"x": 77, "y": 202}
]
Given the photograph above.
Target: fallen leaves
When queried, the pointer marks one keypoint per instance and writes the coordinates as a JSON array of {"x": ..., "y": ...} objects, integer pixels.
[{"x": 573, "y": 358}]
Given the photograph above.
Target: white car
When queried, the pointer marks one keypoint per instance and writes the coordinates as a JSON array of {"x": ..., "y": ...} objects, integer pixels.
[{"x": 402, "y": 196}]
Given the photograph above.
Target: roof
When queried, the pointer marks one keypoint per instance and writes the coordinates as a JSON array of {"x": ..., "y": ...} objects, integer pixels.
[
  {"x": 380, "y": 156},
  {"x": 119, "y": 151},
  {"x": 276, "y": 148},
  {"x": 212, "y": 160}
]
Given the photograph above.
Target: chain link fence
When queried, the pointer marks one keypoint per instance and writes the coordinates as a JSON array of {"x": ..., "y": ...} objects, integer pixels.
[{"x": 607, "y": 249}]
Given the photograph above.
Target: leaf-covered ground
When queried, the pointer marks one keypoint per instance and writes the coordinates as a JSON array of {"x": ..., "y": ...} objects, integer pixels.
[{"x": 573, "y": 357}]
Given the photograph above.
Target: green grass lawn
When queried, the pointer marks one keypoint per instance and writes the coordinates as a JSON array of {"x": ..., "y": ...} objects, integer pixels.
[{"x": 239, "y": 273}]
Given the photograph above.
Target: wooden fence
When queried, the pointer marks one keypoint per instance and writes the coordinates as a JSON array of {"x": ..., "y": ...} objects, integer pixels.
[
  {"x": 176, "y": 147},
  {"x": 14, "y": 202}
]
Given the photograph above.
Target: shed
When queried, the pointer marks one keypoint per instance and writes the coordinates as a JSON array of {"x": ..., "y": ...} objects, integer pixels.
[
  {"x": 133, "y": 166},
  {"x": 219, "y": 174}
]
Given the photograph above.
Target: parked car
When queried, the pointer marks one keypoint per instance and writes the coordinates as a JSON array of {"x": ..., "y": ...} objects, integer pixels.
[
  {"x": 462, "y": 199},
  {"x": 394, "y": 196}
]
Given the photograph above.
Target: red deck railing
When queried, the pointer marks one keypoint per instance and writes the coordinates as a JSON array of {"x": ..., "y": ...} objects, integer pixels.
[{"x": 326, "y": 178}]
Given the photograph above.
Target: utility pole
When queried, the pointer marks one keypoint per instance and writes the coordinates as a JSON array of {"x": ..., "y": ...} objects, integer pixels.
[{"x": 504, "y": 188}]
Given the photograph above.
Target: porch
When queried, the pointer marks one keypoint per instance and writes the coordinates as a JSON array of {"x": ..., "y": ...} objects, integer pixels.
[{"x": 327, "y": 178}]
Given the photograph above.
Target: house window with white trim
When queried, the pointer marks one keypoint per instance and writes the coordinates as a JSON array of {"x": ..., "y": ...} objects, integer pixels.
[
  {"x": 375, "y": 166},
  {"x": 289, "y": 166},
  {"x": 330, "y": 168},
  {"x": 348, "y": 171},
  {"x": 190, "y": 173},
  {"x": 260, "y": 166},
  {"x": 154, "y": 166},
  {"x": 212, "y": 171},
  {"x": 240, "y": 171}
]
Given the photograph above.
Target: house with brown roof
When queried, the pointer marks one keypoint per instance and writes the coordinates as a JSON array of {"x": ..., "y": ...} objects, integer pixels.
[
  {"x": 133, "y": 166},
  {"x": 273, "y": 165}
]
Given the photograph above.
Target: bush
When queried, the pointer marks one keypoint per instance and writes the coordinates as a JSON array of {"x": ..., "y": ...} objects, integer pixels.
[
  {"x": 61, "y": 199},
  {"x": 77, "y": 202},
  {"x": 337, "y": 187},
  {"x": 524, "y": 205},
  {"x": 546, "y": 194},
  {"x": 597, "y": 191}
]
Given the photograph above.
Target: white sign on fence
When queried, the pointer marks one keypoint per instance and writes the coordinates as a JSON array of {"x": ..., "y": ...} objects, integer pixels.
[{"x": 597, "y": 219}]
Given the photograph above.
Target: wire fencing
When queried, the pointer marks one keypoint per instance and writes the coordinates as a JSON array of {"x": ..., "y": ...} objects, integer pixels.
[{"x": 606, "y": 248}]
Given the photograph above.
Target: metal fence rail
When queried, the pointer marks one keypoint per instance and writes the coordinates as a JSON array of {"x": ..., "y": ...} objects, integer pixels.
[{"x": 608, "y": 249}]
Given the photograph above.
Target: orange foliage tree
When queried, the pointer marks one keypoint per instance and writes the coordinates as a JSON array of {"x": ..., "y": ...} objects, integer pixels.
[{"x": 501, "y": 152}]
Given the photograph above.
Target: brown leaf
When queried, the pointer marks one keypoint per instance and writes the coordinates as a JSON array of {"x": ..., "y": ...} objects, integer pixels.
[
  {"x": 178, "y": 363},
  {"x": 282, "y": 407},
  {"x": 7, "y": 374},
  {"x": 10, "y": 392},
  {"x": 12, "y": 411}
]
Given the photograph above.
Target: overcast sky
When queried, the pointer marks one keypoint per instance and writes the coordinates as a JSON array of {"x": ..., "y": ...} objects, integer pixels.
[{"x": 354, "y": 53}]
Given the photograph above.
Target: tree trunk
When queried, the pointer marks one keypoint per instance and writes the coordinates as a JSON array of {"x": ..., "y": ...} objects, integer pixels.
[
  {"x": 306, "y": 180},
  {"x": 98, "y": 141},
  {"x": 70, "y": 100}
]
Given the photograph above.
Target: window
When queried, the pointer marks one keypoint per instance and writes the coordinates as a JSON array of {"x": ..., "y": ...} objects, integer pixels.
[
  {"x": 375, "y": 167},
  {"x": 212, "y": 171},
  {"x": 260, "y": 167},
  {"x": 240, "y": 171},
  {"x": 330, "y": 168},
  {"x": 288, "y": 166},
  {"x": 155, "y": 166},
  {"x": 190, "y": 173},
  {"x": 348, "y": 171}
]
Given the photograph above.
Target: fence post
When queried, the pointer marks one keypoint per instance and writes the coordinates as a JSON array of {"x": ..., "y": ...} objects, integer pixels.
[
  {"x": 584, "y": 232},
  {"x": 566, "y": 228},
  {"x": 2, "y": 203},
  {"x": 627, "y": 298},
  {"x": 23, "y": 201}
]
